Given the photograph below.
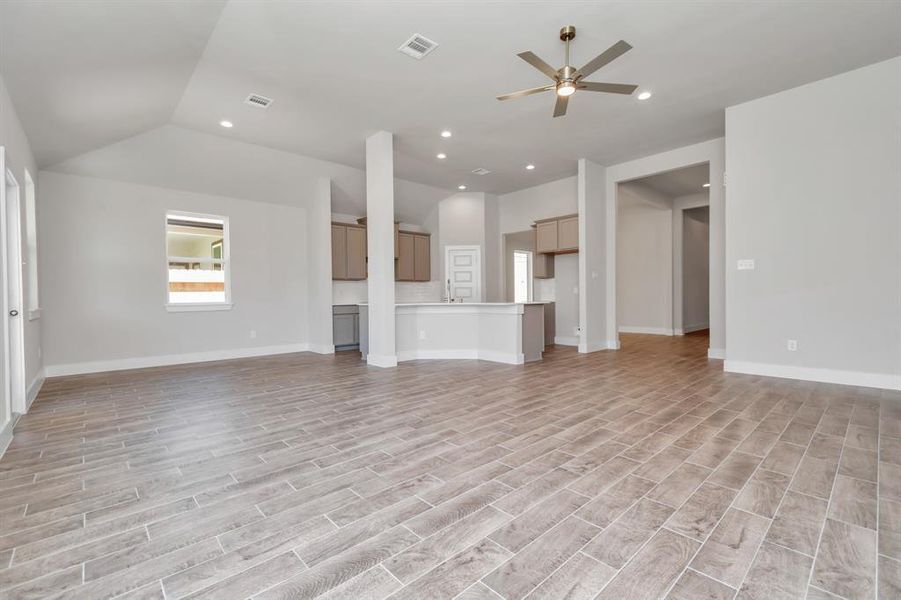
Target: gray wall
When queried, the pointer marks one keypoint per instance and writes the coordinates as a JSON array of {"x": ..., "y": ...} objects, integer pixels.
[
  {"x": 695, "y": 268},
  {"x": 814, "y": 197}
]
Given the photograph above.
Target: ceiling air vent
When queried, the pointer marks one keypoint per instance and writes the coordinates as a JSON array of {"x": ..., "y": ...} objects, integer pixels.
[
  {"x": 258, "y": 101},
  {"x": 418, "y": 46},
  {"x": 480, "y": 171}
]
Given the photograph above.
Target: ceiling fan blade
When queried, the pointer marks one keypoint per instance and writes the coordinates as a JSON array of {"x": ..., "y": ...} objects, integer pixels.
[
  {"x": 539, "y": 64},
  {"x": 522, "y": 93},
  {"x": 610, "y": 88},
  {"x": 560, "y": 106},
  {"x": 607, "y": 56}
]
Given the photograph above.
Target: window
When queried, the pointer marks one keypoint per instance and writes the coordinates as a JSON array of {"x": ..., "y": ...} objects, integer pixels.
[
  {"x": 522, "y": 276},
  {"x": 31, "y": 248},
  {"x": 197, "y": 257}
]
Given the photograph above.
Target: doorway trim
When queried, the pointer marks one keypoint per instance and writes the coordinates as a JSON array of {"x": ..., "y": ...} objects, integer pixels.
[
  {"x": 712, "y": 152},
  {"x": 11, "y": 284}
]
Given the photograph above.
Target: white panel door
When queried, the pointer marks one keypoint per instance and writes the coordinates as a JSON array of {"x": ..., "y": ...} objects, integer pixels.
[{"x": 463, "y": 273}]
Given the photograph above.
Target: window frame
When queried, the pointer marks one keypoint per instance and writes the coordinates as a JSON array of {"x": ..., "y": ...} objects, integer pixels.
[{"x": 225, "y": 262}]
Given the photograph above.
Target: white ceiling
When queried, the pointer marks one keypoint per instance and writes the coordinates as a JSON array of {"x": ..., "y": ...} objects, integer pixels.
[
  {"x": 678, "y": 182},
  {"x": 85, "y": 73}
]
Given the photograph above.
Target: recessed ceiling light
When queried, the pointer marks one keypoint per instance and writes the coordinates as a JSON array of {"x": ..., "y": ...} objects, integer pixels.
[
  {"x": 706, "y": 185},
  {"x": 446, "y": 133},
  {"x": 530, "y": 167},
  {"x": 644, "y": 95},
  {"x": 227, "y": 124},
  {"x": 461, "y": 187},
  {"x": 442, "y": 155}
]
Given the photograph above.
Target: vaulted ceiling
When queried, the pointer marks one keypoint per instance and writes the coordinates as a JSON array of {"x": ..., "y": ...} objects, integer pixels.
[{"x": 87, "y": 73}]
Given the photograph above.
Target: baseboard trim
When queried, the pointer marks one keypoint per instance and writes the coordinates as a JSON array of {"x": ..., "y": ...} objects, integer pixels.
[
  {"x": 716, "y": 353},
  {"x": 34, "y": 388},
  {"x": 462, "y": 354},
  {"x": 566, "y": 340},
  {"x": 322, "y": 348},
  {"x": 6, "y": 434},
  {"x": 647, "y": 330},
  {"x": 855, "y": 378},
  {"x": 144, "y": 362},
  {"x": 384, "y": 361},
  {"x": 695, "y": 327}
]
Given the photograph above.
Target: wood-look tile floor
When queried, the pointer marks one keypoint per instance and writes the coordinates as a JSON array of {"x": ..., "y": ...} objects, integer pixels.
[{"x": 643, "y": 473}]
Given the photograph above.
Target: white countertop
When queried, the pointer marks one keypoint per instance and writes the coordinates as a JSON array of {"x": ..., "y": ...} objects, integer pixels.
[{"x": 462, "y": 303}]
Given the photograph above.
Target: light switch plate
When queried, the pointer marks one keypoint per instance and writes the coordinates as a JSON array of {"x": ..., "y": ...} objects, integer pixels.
[{"x": 746, "y": 264}]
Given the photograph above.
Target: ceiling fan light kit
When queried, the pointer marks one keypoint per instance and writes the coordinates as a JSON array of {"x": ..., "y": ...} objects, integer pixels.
[{"x": 568, "y": 79}]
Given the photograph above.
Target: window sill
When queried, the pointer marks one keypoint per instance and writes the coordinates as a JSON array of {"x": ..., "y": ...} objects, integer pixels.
[
  {"x": 199, "y": 307},
  {"x": 34, "y": 314}
]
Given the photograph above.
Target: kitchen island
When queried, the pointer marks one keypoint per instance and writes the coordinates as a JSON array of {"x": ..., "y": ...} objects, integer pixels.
[{"x": 505, "y": 332}]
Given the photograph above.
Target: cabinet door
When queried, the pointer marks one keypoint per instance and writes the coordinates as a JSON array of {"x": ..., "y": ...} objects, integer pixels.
[
  {"x": 356, "y": 253},
  {"x": 546, "y": 237},
  {"x": 543, "y": 266},
  {"x": 568, "y": 233},
  {"x": 339, "y": 252},
  {"x": 405, "y": 270},
  {"x": 422, "y": 258},
  {"x": 344, "y": 330}
]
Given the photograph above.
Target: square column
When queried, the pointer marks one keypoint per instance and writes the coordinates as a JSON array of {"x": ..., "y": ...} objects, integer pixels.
[
  {"x": 380, "y": 248},
  {"x": 594, "y": 212}
]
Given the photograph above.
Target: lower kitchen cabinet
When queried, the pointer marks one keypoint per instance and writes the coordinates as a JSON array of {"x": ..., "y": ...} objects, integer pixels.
[{"x": 346, "y": 327}]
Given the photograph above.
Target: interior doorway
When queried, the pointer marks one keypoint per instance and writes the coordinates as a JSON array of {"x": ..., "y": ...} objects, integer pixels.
[
  {"x": 12, "y": 349},
  {"x": 663, "y": 253},
  {"x": 522, "y": 276}
]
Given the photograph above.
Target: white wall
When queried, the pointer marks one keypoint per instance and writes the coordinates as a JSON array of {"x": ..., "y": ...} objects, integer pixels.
[
  {"x": 814, "y": 196},
  {"x": 644, "y": 261},
  {"x": 566, "y": 298},
  {"x": 104, "y": 277},
  {"x": 19, "y": 158},
  {"x": 695, "y": 269}
]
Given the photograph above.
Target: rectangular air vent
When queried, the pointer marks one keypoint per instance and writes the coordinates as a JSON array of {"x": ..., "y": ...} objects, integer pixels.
[
  {"x": 258, "y": 101},
  {"x": 480, "y": 171},
  {"x": 418, "y": 46}
]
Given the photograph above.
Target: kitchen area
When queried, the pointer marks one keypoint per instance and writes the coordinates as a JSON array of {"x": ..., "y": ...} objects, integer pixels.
[{"x": 490, "y": 300}]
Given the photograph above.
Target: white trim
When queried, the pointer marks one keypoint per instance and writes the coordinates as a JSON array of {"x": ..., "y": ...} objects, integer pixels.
[
  {"x": 384, "y": 361},
  {"x": 34, "y": 389},
  {"x": 856, "y": 378},
  {"x": 6, "y": 434},
  {"x": 459, "y": 354},
  {"x": 716, "y": 353},
  {"x": 34, "y": 314},
  {"x": 646, "y": 330},
  {"x": 199, "y": 306},
  {"x": 695, "y": 327},
  {"x": 566, "y": 340},
  {"x": 143, "y": 362},
  {"x": 586, "y": 348},
  {"x": 322, "y": 348}
]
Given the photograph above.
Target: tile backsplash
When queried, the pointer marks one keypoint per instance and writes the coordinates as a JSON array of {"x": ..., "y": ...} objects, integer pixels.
[{"x": 352, "y": 292}]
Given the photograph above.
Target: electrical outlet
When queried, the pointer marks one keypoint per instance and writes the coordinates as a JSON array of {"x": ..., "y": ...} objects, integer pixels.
[
  {"x": 746, "y": 264},
  {"x": 792, "y": 345},
  {"x": 422, "y": 334},
  {"x": 575, "y": 289},
  {"x": 253, "y": 334}
]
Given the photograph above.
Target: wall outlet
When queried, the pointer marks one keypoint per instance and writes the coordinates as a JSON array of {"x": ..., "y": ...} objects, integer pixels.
[
  {"x": 422, "y": 334},
  {"x": 575, "y": 289},
  {"x": 746, "y": 264},
  {"x": 792, "y": 345},
  {"x": 253, "y": 334}
]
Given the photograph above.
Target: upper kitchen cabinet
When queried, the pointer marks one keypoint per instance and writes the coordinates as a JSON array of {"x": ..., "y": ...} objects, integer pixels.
[
  {"x": 557, "y": 235},
  {"x": 348, "y": 251},
  {"x": 414, "y": 257}
]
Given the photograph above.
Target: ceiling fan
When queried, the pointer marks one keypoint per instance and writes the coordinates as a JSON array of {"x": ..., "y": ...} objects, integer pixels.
[{"x": 568, "y": 79}]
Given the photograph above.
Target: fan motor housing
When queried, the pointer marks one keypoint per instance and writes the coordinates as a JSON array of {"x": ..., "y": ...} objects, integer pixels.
[{"x": 568, "y": 33}]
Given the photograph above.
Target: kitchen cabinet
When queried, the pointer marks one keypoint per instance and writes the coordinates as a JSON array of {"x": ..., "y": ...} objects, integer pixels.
[
  {"x": 348, "y": 251},
  {"x": 557, "y": 235},
  {"x": 414, "y": 257},
  {"x": 345, "y": 327},
  {"x": 543, "y": 266}
]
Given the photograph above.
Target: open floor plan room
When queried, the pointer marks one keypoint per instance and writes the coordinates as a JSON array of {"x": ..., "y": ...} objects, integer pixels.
[{"x": 459, "y": 300}]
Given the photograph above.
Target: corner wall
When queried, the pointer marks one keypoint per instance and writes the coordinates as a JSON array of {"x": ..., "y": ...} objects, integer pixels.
[{"x": 814, "y": 197}]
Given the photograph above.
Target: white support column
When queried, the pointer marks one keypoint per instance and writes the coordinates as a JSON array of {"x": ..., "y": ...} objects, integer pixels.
[
  {"x": 380, "y": 240},
  {"x": 717, "y": 193},
  {"x": 593, "y": 216},
  {"x": 319, "y": 244}
]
